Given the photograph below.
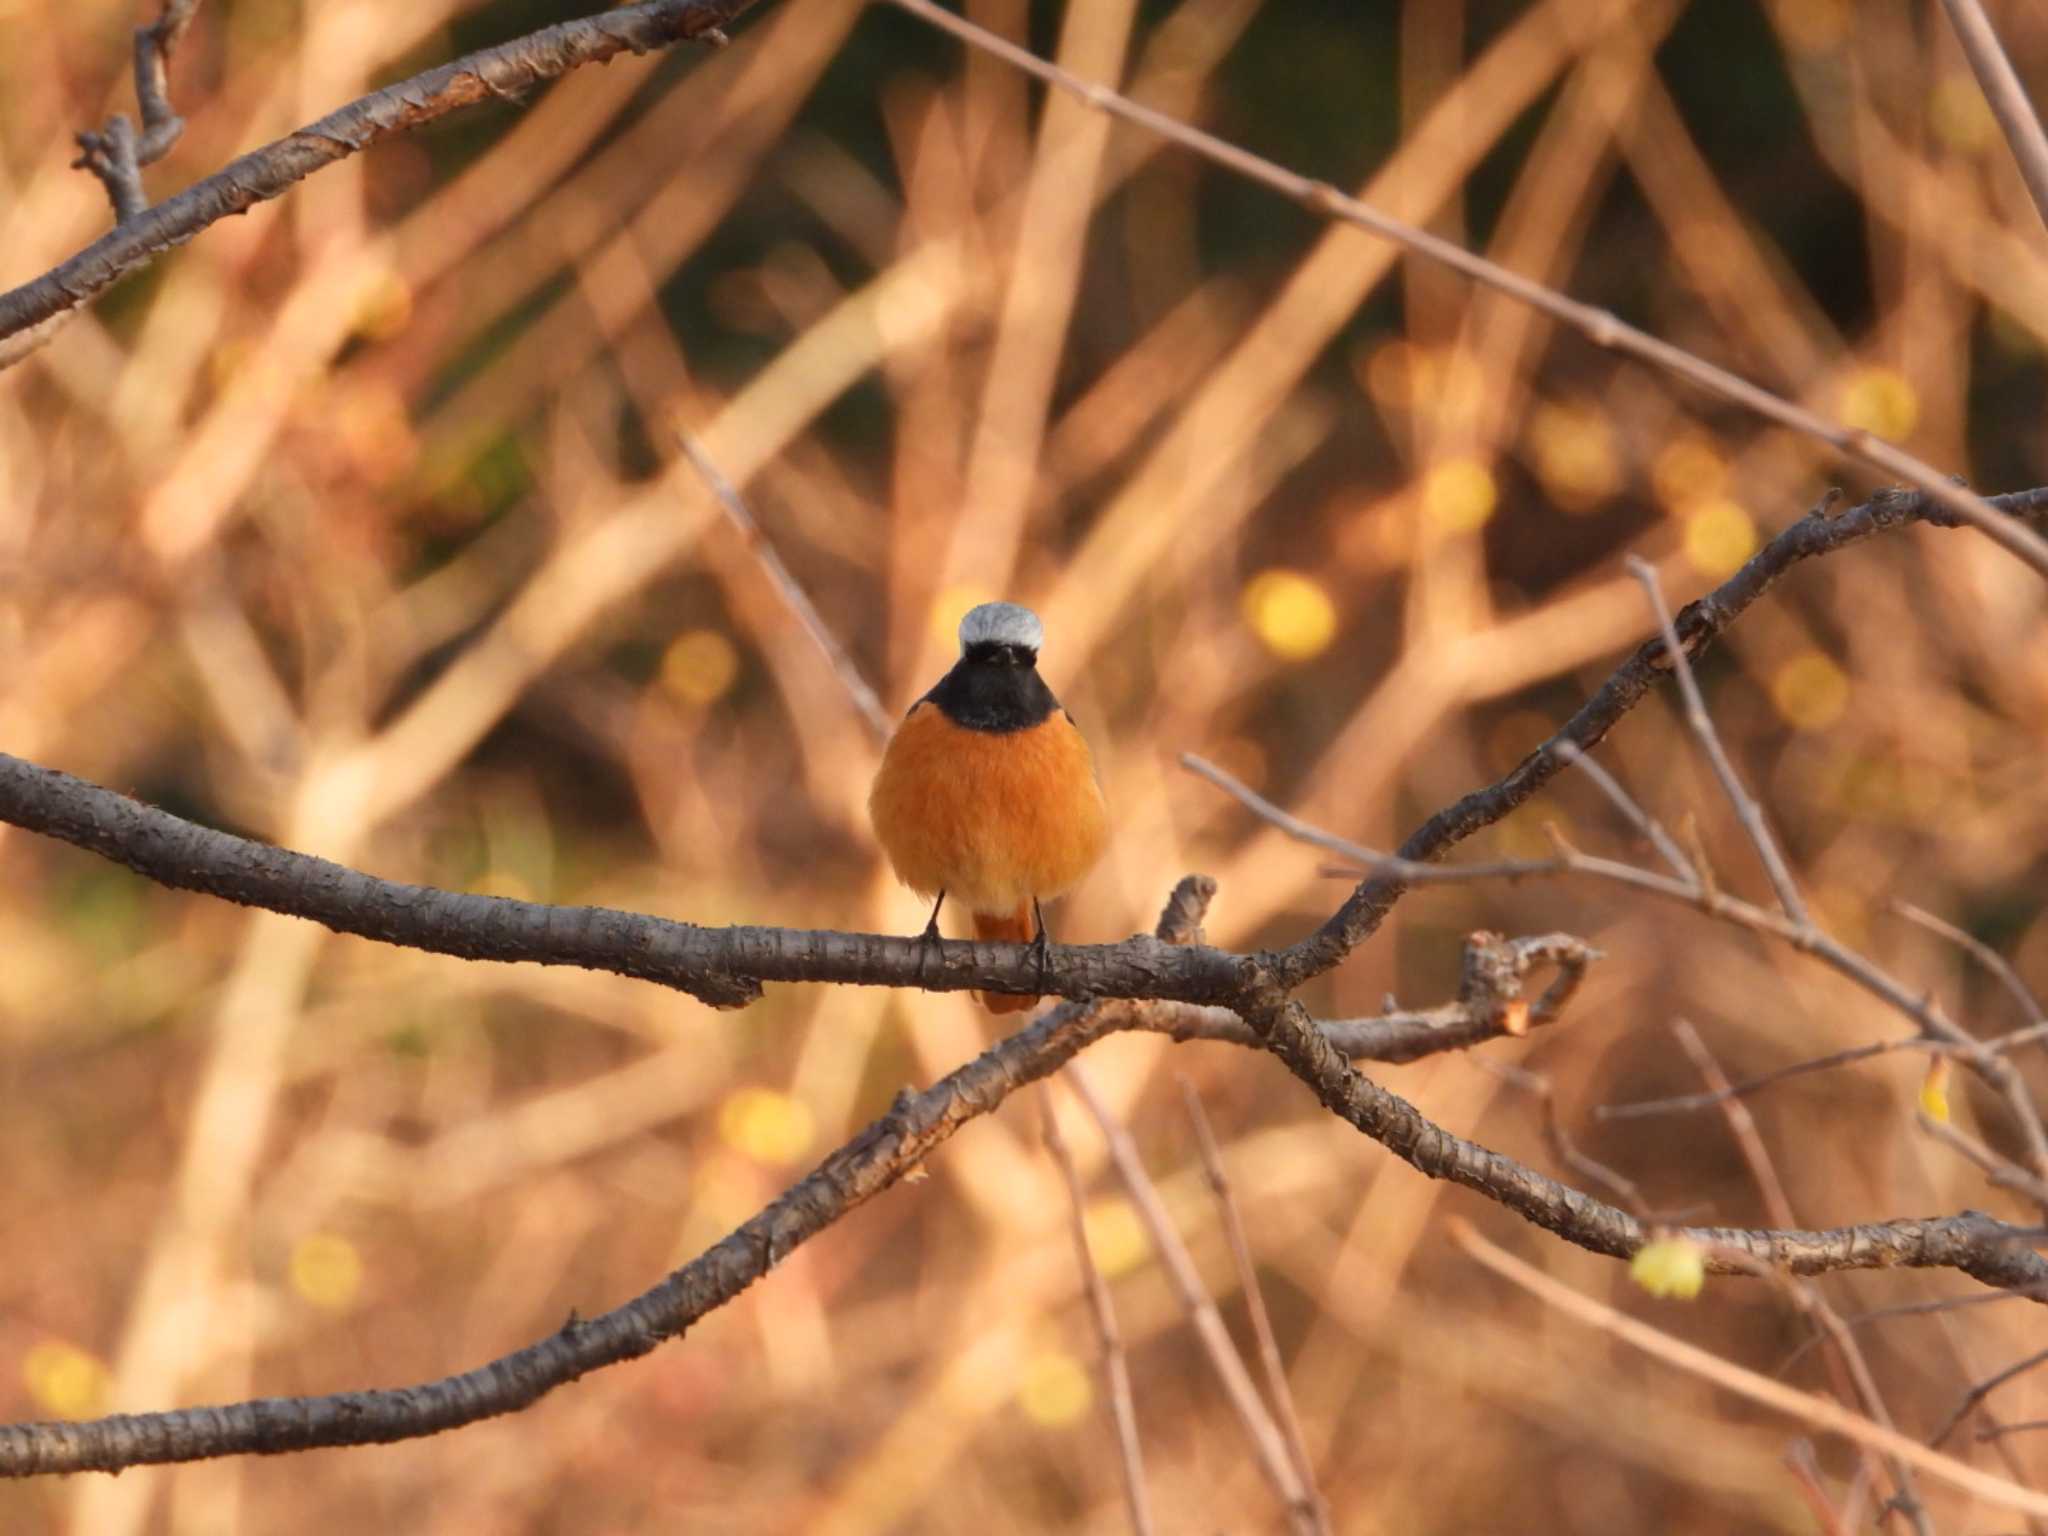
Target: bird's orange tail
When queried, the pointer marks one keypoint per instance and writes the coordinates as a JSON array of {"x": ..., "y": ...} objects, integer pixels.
[{"x": 1006, "y": 928}]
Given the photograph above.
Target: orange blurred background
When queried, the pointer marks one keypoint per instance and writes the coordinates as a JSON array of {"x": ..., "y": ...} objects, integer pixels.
[{"x": 357, "y": 526}]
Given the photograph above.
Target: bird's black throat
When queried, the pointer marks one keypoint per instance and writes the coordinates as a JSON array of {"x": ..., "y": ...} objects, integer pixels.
[{"x": 994, "y": 687}]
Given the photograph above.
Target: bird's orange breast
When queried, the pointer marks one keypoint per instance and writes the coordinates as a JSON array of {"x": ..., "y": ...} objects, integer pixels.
[{"x": 993, "y": 818}]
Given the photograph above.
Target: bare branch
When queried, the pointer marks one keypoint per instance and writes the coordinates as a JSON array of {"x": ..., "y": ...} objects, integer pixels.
[
  {"x": 1116, "y": 1369},
  {"x": 1698, "y": 624},
  {"x": 1982, "y": 1390},
  {"x": 915, "y": 1126},
  {"x": 1984, "y": 955},
  {"x": 1179, "y": 1264},
  {"x": 489, "y": 74},
  {"x": 1816, "y": 1411},
  {"x": 2008, "y": 98},
  {"x": 789, "y": 588},
  {"x": 1702, "y": 726},
  {"x": 1314, "y": 1512},
  {"x": 1851, "y": 1370},
  {"x": 1599, "y": 326},
  {"x": 1648, "y": 825}
]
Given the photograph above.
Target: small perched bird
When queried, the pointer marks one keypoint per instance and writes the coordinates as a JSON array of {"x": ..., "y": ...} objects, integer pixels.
[{"x": 987, "y": 792}]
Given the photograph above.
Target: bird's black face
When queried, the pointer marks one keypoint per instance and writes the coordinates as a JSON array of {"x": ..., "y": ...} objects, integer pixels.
[
  {"x": 997, "y": 653},
  {"x": 994, "y": 686}
]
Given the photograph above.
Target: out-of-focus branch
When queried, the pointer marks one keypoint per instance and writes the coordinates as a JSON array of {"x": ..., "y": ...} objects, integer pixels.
[
  {"x": 1109, "y": 1339},
  {"x": 1817, "y": 1411},
  {"x": 489, "y": 74},
  {"x": 1599, "y": 326},
  {"x": 1315, "y": 1515},
  {"x": 791, "y": 591},
  {"x": 2008, "y": 98}
]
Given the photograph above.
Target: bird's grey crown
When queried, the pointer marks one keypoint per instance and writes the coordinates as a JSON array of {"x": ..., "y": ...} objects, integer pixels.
[{"x": 1002, "y": 624}]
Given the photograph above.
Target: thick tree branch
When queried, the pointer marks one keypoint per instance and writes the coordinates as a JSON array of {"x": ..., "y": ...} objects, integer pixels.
[
  {"x": 723, "y": 967},
  {"x": 490, "y": 73},
  {"x": 915, "y": 1126},
  {"x": 875, "y": 1159}
]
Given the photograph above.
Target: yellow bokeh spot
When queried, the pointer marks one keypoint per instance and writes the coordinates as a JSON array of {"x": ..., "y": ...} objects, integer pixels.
[
  {"x": 767, "y": 1126},
  {"x": 700, "y": 666},
  {"x": 1934, "y": 1090},
  {"x": 1960, "y": 116},
  {"x": 1719, "y": 536},
  {"x": 1291, "y": 613},
  {"x": 65, "y": 1381},
  {"x": 1670, "y": 1266},
  {"x": 1459, "y": 495},
  {"x": 1054, "y": 1389},
  {"x": 1810, "y": 691},
  {"x": 502, "y": 882},
  {"x": 1529, "y": 835},
  {"x": 1687, "y": 470},
  {"x": 1881, "y": 402},
  {"x": 327, "y": 1270},
  {"x": 385, "y": 308},
  {"x": 1814, "y": 26},
  {"x": 951, "y": 606},
  {"x": 1575, "y": 455},
  {"x": 1116, "y": 1238}
]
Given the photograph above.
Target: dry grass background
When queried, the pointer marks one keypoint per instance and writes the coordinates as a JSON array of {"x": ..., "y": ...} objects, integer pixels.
[{"x": 356, "y": 525}]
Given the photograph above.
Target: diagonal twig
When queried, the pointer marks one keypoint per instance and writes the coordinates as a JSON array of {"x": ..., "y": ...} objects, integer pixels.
[
  {"x": 1846, "y": 1359},
  {"x": 1109, "y": 1341},
  {"x": 1267, "y": 1443},
  {"x": 1315, "y": 1512},
  {"x": 1816, "y": 1411},
  {"x": 1984, "y": 955},
  {"x": 2008, "y": 98},
  {"x": 788, "y": 587},
  {"x": 1702, "y": 726}
]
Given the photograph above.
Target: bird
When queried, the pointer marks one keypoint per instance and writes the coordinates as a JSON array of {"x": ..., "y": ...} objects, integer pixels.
[{"x": 987, "y": 792}]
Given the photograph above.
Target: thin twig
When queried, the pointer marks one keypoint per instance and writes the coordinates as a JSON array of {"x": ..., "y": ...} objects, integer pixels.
[
  {"x": 2008, "y": 98},
  {"x": 1819, "y": 1412},
  {"x": 1934, "y": 1024},
  {"x": 1267, "y": 1443},
  {"x": 1599, "y": 326},
  {"x": 1314, "y": 1513},
  {"x": 1950, "y": 1037},
  {"x": 1567, "y": 1152},
  {"x": 788, "y": 587},
  {"x": 1638, "y": 817},
  {"x": 1686, "y": 1103},
  {"x": 1984, "y": 955},
  {"x": 1999, "y": 1431},
  {"x": 1847, "y": 1363},
  {"x": 2001, "y": 1171},
  {"x": 1116, "y": 1370},
  {"x": 1799, "y": 1460},
  {"x": 1906, "y": 1309},
  {"x": 1982, "y": 1390},
  {"x": 1701, "y": 723}
]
